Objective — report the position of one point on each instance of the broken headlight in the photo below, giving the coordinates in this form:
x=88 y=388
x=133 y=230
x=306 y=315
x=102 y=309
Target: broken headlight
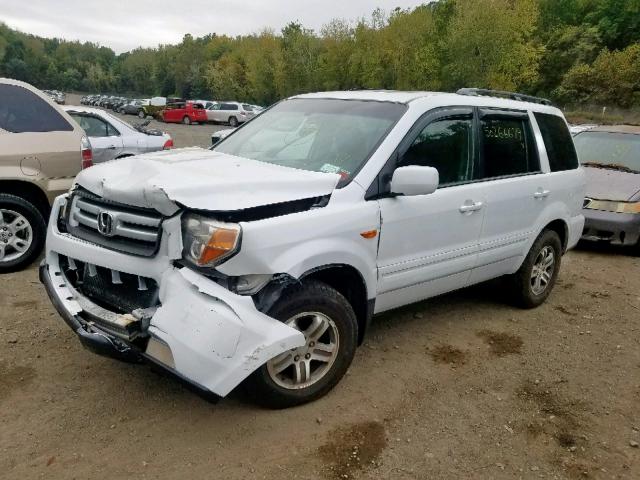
x=208 y=242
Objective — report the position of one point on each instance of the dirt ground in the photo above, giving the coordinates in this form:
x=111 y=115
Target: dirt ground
x=463 y=386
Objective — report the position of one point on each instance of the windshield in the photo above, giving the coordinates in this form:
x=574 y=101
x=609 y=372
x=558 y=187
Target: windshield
x=321 y=135
x=609 y=149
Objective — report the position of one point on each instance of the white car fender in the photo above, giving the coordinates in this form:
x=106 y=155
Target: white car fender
x=317 y=238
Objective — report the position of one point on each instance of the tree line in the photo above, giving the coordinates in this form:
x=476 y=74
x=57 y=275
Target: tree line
x=573 y=51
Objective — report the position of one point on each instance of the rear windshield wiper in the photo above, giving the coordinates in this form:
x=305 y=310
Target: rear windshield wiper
x=610 y=166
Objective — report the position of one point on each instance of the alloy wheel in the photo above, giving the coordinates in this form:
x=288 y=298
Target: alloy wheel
x=542 y=270
x=306 y=365
x=16 y=235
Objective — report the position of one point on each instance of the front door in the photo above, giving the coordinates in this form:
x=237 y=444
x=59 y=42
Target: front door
x=429 y=243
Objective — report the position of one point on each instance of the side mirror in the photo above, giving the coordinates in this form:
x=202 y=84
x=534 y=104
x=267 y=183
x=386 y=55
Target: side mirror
x=414 y=180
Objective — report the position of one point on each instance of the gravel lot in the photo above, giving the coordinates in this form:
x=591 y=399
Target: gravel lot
x=461 y=386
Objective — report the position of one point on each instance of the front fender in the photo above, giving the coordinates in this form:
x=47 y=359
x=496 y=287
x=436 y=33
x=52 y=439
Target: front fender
x=296 y=243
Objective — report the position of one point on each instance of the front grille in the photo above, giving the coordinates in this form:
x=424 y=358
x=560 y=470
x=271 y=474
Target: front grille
x=116 y=292
x=113 y=225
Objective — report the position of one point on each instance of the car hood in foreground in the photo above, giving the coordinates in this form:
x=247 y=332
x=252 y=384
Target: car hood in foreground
x=201 y=179
x=605 y=184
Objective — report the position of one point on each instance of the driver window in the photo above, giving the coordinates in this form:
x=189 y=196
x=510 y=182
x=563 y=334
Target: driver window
x=447 y=146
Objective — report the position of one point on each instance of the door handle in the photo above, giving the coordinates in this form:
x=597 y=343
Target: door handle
x=111 y=147
x=541 y=193
x=471 y=207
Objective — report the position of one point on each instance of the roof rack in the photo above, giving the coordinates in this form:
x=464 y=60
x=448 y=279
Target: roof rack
x=521 y=97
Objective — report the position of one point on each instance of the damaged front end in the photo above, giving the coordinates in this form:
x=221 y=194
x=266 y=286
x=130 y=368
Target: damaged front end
x=127 y=295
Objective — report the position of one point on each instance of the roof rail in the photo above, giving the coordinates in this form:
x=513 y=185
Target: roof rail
x=521 y=97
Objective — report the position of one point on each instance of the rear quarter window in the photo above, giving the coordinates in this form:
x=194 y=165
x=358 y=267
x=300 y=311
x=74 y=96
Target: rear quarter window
x=23 y=111
x=557 y=141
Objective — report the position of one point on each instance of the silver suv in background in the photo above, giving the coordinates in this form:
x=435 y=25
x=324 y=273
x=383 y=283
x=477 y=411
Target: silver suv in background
x=41 y=150
x=232 y=113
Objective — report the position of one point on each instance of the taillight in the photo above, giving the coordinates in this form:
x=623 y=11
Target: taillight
x=168 y=144
x=87 y=153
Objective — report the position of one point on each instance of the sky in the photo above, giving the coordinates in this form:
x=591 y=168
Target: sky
x=126 y=24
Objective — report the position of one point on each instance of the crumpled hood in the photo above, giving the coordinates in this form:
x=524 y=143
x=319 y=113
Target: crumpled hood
x=604 y=184
x=201 y=179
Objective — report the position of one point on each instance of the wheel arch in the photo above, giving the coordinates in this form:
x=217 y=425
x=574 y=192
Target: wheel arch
x=28 y=191
x=349 y=282
x=562 y=229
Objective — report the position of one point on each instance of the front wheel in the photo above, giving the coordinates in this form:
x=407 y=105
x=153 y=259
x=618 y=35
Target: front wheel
x=306 y=373
x=22 y=233
x=141 y=114
x=536 y=277
x=186 y=120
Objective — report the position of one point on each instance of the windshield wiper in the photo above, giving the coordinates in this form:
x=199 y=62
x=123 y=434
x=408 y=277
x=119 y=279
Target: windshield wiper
x=610 y=166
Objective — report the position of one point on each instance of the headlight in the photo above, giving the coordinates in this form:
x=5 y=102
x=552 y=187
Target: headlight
x=208 y=242
x=612 y=206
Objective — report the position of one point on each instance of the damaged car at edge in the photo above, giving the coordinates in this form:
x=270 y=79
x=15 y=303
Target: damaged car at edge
x=262 y=261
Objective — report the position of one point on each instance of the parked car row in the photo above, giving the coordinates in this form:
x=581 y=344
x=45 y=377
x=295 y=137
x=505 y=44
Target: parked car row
x=58 y=97
x=177 y=109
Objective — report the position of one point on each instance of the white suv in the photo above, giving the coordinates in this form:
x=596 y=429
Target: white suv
x=263 y=260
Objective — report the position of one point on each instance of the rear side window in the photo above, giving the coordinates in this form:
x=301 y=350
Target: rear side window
x=229 y=106
x=23 y=111
x=557 y=141
x=445 y=145
x=507 y=146
x=93 y=126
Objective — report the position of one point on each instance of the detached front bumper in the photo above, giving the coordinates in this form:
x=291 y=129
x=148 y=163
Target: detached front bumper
x=617 y=228
x=201 y=332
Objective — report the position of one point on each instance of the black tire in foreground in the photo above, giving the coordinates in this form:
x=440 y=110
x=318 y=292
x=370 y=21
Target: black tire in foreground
x=537 y=276
x=307 y=373
x=233 y=122
x=22 y=233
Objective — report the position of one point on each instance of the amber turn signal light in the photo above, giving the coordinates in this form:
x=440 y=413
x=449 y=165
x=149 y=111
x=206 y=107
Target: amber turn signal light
x=369 y=234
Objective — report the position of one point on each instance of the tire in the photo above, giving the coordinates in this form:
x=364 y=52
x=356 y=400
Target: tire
x=141 y=114
x=233 y=122
x=30 y=232
x=305 y=305
x=535 y=279
x=186 y=120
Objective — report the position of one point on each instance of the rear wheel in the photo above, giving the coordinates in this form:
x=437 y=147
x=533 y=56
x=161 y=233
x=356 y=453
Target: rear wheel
x=22 y=233
x=536 y=277
x=308 y=372
x=233 y=121
x=186 y=120
x=141 y=114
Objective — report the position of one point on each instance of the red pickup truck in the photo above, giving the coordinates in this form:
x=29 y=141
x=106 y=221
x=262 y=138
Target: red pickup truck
x=186 y=113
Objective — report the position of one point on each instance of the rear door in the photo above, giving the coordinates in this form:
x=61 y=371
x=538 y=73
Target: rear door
x=515 y=188
x=37 y=140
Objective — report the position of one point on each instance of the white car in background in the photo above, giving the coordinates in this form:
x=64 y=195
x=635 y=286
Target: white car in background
x=232 y=113
x=113 y=138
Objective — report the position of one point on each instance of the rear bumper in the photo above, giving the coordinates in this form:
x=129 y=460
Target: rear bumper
x=201 y=332
x=617 y=228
